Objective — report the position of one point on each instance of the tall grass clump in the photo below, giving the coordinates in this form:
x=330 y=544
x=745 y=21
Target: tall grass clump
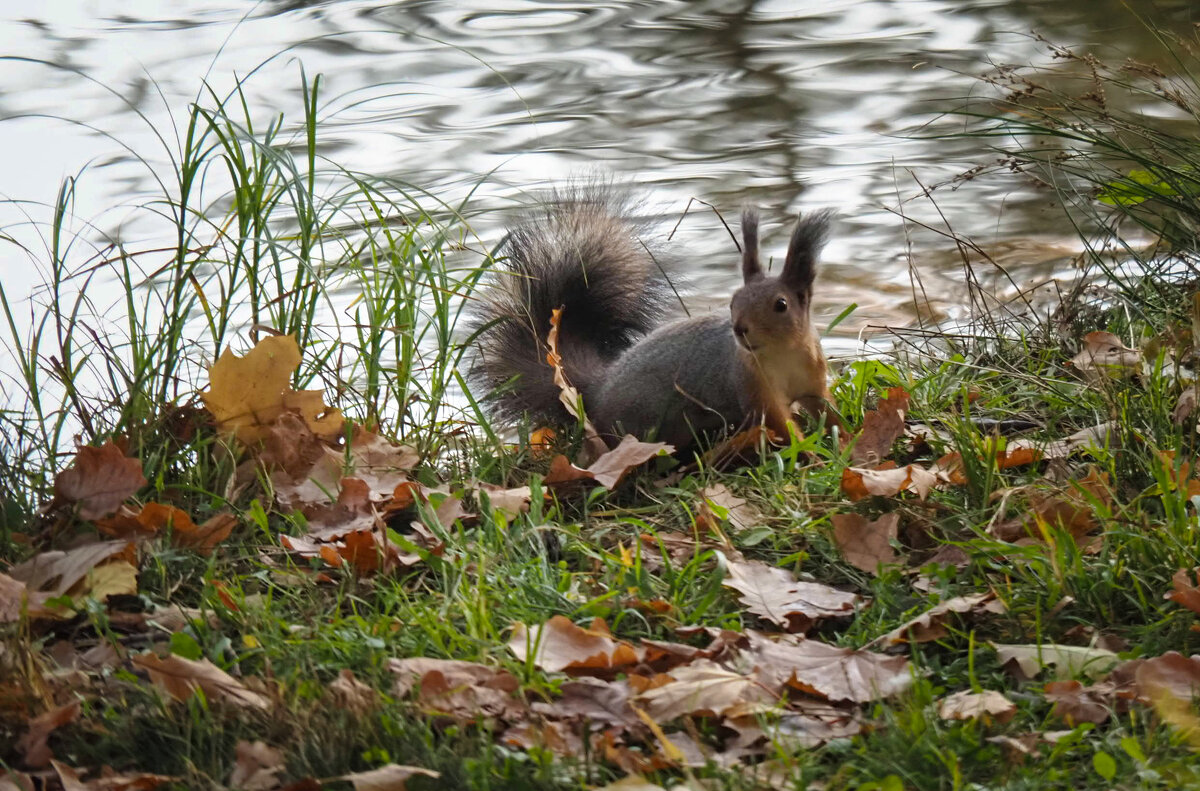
x=252 y=231
x=1117 y=141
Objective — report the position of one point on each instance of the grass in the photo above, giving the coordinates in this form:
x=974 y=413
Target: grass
x=268 y=234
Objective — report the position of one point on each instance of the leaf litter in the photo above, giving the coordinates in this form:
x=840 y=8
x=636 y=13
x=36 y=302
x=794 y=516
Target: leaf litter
x=633 y=699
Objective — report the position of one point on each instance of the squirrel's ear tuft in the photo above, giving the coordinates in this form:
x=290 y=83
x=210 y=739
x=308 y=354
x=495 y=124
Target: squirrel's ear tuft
x=751 y=269
x=800 y=267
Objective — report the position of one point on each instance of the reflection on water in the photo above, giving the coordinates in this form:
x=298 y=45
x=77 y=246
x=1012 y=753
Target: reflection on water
x=790 y=104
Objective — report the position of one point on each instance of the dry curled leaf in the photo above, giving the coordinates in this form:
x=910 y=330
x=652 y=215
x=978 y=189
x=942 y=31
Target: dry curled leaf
x=741 y=514
x=1104 y=357
x=34 y=744
x=866 y=545
x=880 y=429
x=464 y=690
x=1098 y=435
x=1171 y=674
x=1067 y=660
x=99 y=481
x=347 y=693
x=703 y=688
x=392 y=777
x=632 y=783
x=592 y=701
x=1185 y=594
x=611 y=467
x=108 y=780
x=931 y=624
x=510 y=502
x=1071 y=508
x=180 y=678
x=826 y=671
x=378 y=462
x=16 y=781
x=255 y=766
x=16 y=600
x=968 y=705
x=58 y=572
x=776 y=595
x=1074 y=703
x=888 y=481
x=568 y=396
x=559 y=644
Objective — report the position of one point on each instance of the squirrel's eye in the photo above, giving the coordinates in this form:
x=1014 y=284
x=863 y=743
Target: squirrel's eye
x=780 y=305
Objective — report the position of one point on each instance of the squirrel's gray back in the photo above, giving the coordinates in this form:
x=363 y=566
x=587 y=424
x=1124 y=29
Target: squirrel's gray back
x=677 y=384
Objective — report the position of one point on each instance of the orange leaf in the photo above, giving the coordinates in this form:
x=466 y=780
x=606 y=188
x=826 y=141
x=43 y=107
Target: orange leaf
x=559 y=644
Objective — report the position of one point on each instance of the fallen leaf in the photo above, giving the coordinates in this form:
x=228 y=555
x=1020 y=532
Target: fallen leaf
x=703 y=688
x=776 y=595
x=968 y=705
x=1074 y=703
x=1185 y=594
x=448 y=511
x=1071 y=508
x=411 y=672
x=568 y=396
x=16 y=600
x=1104 y=357
x=1186 y=404
x=816 y=724
x=510 y=502
x=379 y=463
x=931 y=624
x=204 y=537
x=34 y=744
x=99 y=481
x=866 y=545
x=247 y=394
x=154 y=518
x=880 y=429
x=740 y=514
x=631 y=783
x=289 y=448
x=15 y=781
x=1099 y=435
x=180 y=678
x=826 y=671
x=57 y=571
x=109 y=780
x=556 y=737
x=347 y=693
x=860 y=482
x=1018 y=748
x=592 y=701
x=1067 y=660
x=392 y=777
x=559 y=644
x=562 y=472
x=318 y=484
x=113 y=578
x=1171 y=683
x=255 y=766
x=611 y=467
x=1172 y=674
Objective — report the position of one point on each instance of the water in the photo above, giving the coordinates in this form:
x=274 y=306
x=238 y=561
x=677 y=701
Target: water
x=791 y=105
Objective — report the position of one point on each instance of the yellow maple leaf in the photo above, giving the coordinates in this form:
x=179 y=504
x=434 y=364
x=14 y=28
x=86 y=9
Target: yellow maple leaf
x=247 y=394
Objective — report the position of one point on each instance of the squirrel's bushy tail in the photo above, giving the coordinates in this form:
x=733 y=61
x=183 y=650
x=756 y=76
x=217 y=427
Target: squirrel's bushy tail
x=582 y=254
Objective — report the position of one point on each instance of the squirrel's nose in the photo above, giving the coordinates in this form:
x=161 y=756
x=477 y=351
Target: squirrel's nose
x=739 y=330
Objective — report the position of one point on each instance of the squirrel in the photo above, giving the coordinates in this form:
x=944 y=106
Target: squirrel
x=678 y=381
